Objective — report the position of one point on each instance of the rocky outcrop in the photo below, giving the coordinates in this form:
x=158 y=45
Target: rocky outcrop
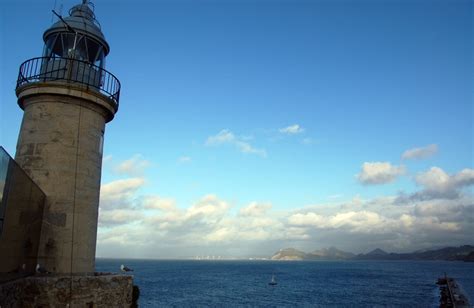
x=289 y=254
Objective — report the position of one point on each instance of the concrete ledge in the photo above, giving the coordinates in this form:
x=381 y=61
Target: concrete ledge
x=103 y=290
x=68 y=89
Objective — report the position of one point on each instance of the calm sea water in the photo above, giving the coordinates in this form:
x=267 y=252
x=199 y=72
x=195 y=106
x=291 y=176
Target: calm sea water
x=302 y=284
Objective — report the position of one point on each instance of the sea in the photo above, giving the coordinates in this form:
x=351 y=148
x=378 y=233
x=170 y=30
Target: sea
x=198 y=283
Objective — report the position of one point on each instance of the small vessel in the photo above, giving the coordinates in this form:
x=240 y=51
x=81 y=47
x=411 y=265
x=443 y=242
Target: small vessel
x=124 y=268
x=273 y=281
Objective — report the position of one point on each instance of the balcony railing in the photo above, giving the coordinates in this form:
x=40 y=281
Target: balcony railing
x=44 y=69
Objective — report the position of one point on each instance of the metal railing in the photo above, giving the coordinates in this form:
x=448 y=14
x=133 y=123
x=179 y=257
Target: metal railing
x=44 y=69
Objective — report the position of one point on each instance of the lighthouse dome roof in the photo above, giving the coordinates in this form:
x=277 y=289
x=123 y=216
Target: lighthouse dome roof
x=82 y=20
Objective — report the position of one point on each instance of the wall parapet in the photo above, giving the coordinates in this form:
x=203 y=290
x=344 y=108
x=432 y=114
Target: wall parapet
x=105 y=290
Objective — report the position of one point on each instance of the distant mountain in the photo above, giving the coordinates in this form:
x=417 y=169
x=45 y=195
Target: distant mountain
x=377 y=253
x=330 y=253
x=322 y=254
x=462 y=253
x=469 y=257
x=447 y=253
x=289 y=254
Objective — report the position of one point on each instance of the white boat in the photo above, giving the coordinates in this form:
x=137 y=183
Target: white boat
x=273 y=281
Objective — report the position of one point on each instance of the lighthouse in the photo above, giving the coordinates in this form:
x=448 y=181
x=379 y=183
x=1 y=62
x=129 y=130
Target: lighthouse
x=67 y=97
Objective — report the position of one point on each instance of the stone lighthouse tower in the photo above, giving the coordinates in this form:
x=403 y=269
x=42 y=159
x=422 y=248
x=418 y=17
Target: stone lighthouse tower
x=67 y=97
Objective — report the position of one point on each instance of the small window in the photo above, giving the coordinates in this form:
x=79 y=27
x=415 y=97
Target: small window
x=101 y=143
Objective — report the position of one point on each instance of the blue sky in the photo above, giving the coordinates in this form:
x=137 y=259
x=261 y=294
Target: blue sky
x=277 y=103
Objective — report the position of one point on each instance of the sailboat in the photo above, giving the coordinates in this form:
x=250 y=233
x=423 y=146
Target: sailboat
x=273 y=281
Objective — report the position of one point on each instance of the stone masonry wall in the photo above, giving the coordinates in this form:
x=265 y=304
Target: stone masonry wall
x=55 y=291
x=60 y=148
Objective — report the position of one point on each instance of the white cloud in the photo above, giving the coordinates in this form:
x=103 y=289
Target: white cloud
x=135 y=166
x=159 y=203
x=464 y=178
x=420 y=153
x=435 y=179
x=437 y=183
x=220 y=234
x=255 y=209
x=361 y=221
x=184 y=159
x=119 y=193
x=209 y=207
x=307 y=219
x=292 y=129
x=374 y=173
x=293 y=233
x=227 y=137
x=118 y=216
x=224 y=136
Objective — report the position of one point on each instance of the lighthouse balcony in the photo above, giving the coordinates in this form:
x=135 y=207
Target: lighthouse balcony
x=72 y=71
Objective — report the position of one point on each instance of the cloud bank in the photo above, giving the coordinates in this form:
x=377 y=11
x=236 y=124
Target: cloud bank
x=137 y=225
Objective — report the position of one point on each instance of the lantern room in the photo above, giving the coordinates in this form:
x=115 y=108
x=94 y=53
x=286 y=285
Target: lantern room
x=78 y=36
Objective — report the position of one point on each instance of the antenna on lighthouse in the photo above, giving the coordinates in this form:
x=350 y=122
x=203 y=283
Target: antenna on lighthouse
x=60 y=10
x=68 y=27
x=54 y=7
